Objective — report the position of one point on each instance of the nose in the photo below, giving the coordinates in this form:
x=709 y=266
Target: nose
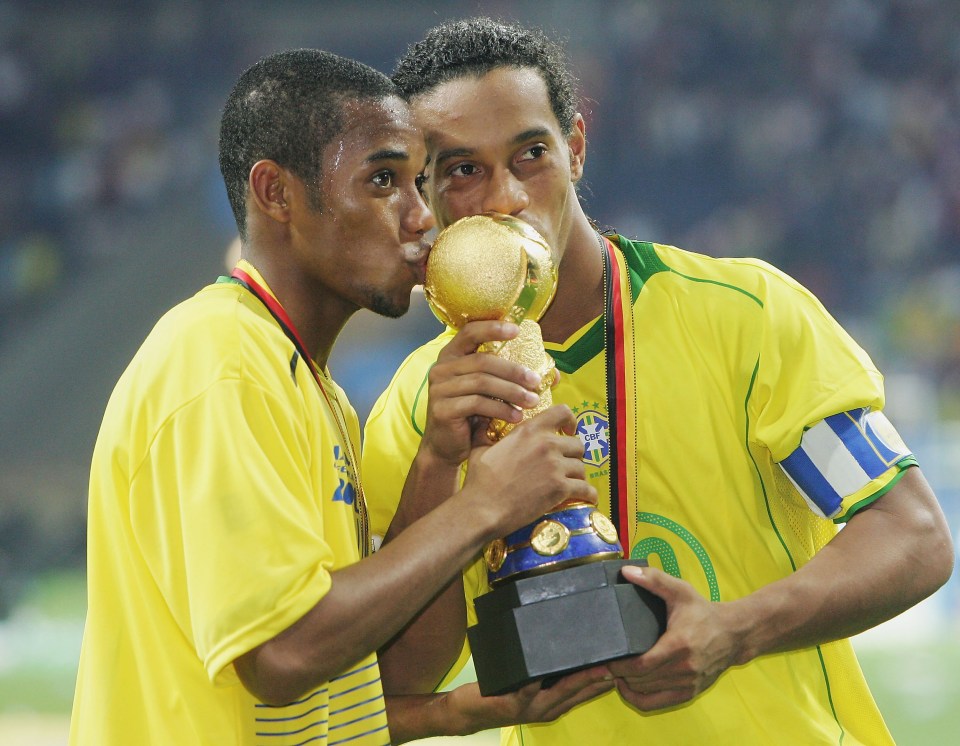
x=418 y=219
x=505 y=193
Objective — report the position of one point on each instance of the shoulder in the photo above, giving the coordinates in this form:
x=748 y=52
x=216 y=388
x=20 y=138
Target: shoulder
x=752 y=277
x=220 y=315
x=221 y=334
x=410 y=379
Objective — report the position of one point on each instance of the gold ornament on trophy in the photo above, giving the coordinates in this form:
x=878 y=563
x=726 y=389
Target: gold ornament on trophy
x=495 y=266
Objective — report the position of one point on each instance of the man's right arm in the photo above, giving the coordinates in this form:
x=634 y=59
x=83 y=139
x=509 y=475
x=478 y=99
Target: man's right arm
x=371 y=600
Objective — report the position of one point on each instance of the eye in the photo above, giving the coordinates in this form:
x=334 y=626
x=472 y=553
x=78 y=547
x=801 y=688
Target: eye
x=420 y=181
x=533 y=153
x=463 y=169
x=383 y=179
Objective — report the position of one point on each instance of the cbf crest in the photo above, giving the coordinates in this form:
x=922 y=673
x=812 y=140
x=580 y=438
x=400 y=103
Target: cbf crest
x=593 y=429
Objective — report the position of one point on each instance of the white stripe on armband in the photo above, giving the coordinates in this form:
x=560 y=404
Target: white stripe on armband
x=840 y=455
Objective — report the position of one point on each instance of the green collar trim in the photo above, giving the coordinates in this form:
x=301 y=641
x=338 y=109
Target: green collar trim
x=642 y=263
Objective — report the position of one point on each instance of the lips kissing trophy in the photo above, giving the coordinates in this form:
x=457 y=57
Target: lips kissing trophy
x=558 y=601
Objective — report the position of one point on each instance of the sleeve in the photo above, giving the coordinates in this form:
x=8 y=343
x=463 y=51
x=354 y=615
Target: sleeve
x=814 y=381
x=809 y=367
x=226 y=517
x=846 y=461
x=392 y=434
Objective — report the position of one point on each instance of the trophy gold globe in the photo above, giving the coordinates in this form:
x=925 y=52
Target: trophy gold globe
x=549 y=575
x=495 y=266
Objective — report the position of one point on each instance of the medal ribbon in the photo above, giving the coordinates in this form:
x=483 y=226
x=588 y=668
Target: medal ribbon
x=618 y=335
x=286 y=325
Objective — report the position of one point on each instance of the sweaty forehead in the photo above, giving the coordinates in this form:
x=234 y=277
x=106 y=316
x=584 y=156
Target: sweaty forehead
x=374 y=125
x=375 y=115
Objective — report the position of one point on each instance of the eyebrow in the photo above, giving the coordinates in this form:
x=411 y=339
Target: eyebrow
x=444 y=155
x=387 y=155
x=461 y=152
x=530 y=134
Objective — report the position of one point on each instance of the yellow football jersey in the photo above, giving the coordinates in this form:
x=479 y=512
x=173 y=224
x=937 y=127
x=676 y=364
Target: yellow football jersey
x=220 y=502
x=733 y=362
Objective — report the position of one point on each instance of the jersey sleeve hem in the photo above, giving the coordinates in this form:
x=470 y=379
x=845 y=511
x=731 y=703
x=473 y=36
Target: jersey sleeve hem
x=220 y=659
x=871 y=492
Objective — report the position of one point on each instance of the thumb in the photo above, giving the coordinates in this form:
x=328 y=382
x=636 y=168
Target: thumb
x=658 y=582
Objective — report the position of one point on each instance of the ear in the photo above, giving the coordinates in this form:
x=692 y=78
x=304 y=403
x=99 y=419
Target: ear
x=269 y=187
x=577 y=142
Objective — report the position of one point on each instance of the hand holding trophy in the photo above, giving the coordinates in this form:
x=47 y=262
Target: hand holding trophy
x=551 y=575
x=494 y=266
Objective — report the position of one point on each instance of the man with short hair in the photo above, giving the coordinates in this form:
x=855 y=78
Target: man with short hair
x=729 y=424
x=233 y=594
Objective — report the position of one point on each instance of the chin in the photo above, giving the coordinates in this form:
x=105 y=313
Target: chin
x=392 y=308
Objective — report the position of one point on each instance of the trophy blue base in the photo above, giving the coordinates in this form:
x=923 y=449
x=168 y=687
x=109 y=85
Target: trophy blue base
x=550 y=625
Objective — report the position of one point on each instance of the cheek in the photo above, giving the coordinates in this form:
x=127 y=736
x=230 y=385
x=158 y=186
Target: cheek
x=461 y=201
x=447 y=206
x=372 y=218
x=552 y=187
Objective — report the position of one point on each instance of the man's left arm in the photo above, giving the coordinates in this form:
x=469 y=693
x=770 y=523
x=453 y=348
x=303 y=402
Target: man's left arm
x=900 y=546
x=465 y=391
x=463 y=711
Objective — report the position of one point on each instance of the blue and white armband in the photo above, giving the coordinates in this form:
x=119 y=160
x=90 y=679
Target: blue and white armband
x=841 y=455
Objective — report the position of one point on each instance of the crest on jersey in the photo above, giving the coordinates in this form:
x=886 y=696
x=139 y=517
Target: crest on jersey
x=593 y=429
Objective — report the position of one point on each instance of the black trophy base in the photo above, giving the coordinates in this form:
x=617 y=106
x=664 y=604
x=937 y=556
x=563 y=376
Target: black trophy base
x=550 y=625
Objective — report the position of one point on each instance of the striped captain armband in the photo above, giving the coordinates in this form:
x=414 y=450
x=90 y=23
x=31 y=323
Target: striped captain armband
x=841 y=455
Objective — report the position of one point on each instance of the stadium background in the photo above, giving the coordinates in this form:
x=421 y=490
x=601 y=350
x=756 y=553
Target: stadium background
x=823 y=136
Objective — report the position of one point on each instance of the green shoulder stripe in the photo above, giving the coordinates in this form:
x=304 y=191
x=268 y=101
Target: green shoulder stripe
x=421 y=391
x=642 y=261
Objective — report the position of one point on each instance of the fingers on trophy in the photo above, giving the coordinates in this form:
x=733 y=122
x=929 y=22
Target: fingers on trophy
x=495 y=266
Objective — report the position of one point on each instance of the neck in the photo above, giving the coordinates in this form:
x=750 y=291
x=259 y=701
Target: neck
x=318 y=324
x=579 y=296
x=316 y=319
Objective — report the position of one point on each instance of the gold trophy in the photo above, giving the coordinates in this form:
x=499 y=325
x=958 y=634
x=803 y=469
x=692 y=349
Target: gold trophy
x=494 y=266
x=557 y=571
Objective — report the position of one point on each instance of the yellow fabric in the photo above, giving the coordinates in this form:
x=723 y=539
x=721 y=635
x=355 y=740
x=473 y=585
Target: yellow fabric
x=213 y=526
x=733 y=361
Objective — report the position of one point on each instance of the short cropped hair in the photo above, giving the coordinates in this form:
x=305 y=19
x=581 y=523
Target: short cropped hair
x=287 y=108
x=476 y=46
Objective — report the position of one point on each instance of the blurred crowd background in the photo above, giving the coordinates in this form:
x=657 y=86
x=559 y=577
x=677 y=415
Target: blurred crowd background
x=822 y=135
